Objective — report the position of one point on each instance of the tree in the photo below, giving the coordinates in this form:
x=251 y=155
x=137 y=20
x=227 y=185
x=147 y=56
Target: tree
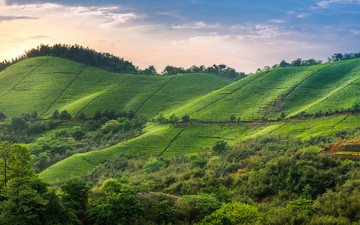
x=14 y=161
x=75 y=192
x=172 y=70
x=297 y=62
x=78 y=133
x=173 y=118
x=219 y=146
x=232 y=118
x=150 y=70
x=337 y=57
x=283 y=63
x=195 y=207
x=24 y=198
x=64 y=115
x=17 y=124
x=97 y=115
x=81 y=116
x=185 y=118
x=55 y=114
x=114 y=204
x=34 y=115
x=355 y=106
x=2 y=116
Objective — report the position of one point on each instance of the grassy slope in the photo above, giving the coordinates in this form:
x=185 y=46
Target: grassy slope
x=293 y=90
x=167 y=140
x=48 y=83
x=59 y=84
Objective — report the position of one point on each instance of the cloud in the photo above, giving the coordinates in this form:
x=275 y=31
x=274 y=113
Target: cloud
x=276 y=21
x=356 y=32
x=38 y=37
x=303 y=15
x=197 y=25
x=9 y=18
x=103 y=15
x=327 y=4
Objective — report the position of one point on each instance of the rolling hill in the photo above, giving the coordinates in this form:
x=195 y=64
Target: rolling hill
x=292 y=90
x=48 y=83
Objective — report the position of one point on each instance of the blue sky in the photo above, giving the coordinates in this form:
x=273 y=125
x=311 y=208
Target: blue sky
x=242 y=34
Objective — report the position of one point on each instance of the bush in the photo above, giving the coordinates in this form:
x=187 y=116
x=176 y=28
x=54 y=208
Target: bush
x=156 y=165
x=195 y=207
x=232 y=213
x=219 y=146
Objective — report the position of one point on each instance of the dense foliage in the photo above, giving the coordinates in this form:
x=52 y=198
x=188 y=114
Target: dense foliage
x=66 y=136
x=269 y=179
x=265 y=180
x=219 y=70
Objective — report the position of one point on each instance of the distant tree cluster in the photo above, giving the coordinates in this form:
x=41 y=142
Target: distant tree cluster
x=79 y=54
x=310 y=62
x=294 y=63
x=219 y=70
x=346 y=56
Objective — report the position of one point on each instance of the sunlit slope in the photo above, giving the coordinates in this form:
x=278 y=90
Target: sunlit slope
x=292 y=90
x=44 y=84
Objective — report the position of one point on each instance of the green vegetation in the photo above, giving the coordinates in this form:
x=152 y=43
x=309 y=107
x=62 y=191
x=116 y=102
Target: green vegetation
x=45 y=84
x=272 y=148
x=293 y=91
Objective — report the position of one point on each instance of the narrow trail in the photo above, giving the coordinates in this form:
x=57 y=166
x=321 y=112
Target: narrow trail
x=22 y=79
x=94 y=99
x=279 y=127
x=225 y=95
x=63 y=91
x=280 y=102
x=85 y=159
x=342 y=120
x=172 y=141
x=152 y=95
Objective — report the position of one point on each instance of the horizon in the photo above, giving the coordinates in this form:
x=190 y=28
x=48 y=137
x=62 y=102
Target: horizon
x=242 y=35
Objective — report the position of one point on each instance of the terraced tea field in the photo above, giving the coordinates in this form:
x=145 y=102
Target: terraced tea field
x=48 y=83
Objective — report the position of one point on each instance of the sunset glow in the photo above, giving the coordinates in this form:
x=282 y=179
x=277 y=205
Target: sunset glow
x=194 y=32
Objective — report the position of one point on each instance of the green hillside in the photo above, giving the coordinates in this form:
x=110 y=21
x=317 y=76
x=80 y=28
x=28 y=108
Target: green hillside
x=48 y=83
x=167 y=140
x=292 y=90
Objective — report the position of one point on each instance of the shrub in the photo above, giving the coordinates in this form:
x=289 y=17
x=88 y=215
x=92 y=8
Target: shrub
x=232 y=213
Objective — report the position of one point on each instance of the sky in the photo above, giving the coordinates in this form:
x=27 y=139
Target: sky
x=243 y=34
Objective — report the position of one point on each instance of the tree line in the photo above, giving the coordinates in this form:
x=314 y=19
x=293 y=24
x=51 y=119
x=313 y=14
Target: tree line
x=113 y=63
x=78 y=54
x=311 y=62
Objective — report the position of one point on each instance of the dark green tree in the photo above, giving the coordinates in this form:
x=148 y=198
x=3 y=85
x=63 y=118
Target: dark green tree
x=55 y=115
x=14 y=162
x=219 y=146
x=114 y=204
x=64 y=115
x=74 y=194
x=150 y=70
